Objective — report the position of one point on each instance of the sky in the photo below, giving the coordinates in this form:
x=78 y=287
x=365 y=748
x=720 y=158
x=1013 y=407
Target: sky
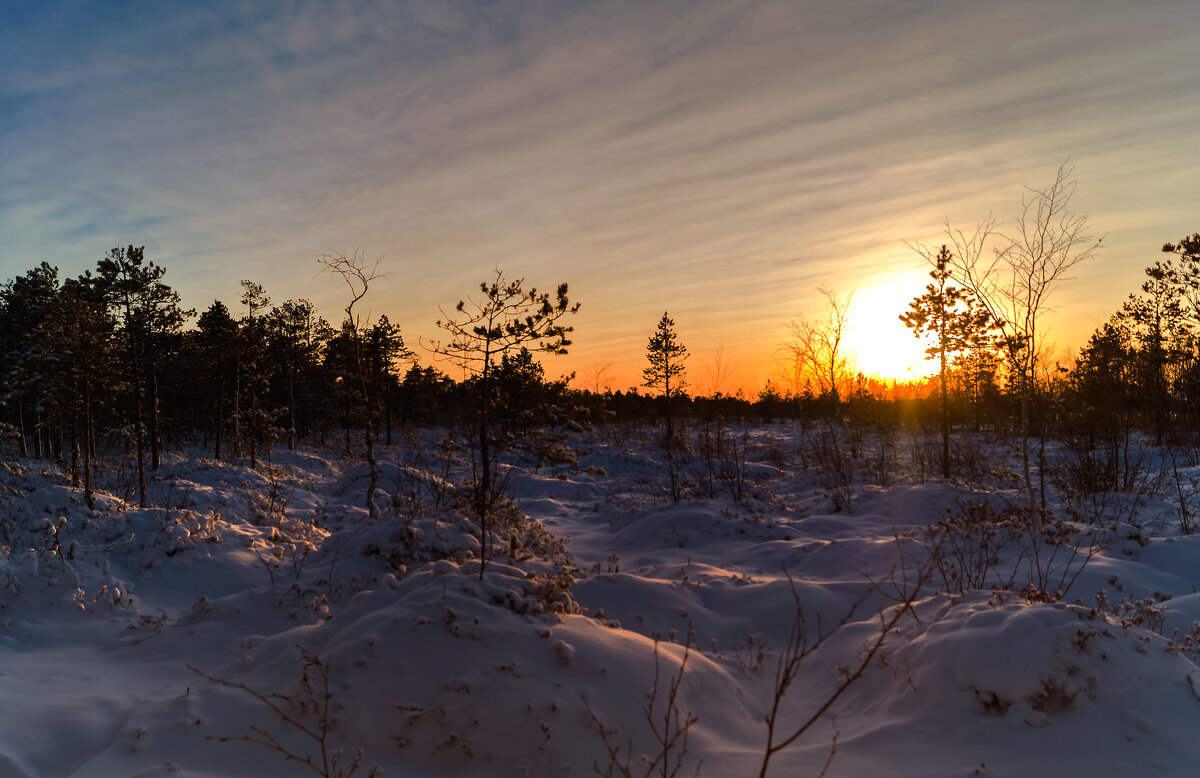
x=719 y=160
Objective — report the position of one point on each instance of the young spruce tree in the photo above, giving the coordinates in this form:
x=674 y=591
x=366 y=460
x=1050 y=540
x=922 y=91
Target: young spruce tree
x=665 y=373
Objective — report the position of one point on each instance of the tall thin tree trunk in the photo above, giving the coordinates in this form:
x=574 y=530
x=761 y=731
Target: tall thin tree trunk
x=945 y=406
x=387 y=404
x=74 y=449
x=667 y=392
x=371 y=468
x=252 y=432
x=483 y=495
x=291 y=407
x=237 y=412
x=220 y=405
x=21 y=424
x=155 y=441
x=139 y=431
x=364 y=388
x=1029 y=490
x=88 y=443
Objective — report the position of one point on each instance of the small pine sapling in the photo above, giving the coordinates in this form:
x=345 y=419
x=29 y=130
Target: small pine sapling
x=507 y=319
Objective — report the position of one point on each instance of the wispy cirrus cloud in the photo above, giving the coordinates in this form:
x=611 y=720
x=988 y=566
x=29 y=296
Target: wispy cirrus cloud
x=719 y=159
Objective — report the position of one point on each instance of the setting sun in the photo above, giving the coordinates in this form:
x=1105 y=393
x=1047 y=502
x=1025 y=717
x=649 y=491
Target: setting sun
x=880 y=343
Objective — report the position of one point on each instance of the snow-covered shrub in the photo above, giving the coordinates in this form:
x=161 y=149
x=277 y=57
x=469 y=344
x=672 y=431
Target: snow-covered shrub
x=267 y=502
x=532 y=594
x=1100 y=480
x=552 y=590
x=540 y=447
x=1187 y=642
x=982 y=545
x=723 y=455
x=406 y=545
x=550 y=567
x=447 y=536
x=1070 y=657
x=967 y=546
x=837 y=471
x=1146 y=613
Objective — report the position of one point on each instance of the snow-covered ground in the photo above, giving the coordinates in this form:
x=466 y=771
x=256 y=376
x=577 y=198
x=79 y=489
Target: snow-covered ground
x=278 y=580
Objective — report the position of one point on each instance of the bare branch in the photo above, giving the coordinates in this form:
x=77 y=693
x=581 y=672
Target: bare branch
x=813 y=350
x=799 y=647
x=355 y=270
x=1049 y=240
x=671 y=737
x=328 y=764
x=719 y=370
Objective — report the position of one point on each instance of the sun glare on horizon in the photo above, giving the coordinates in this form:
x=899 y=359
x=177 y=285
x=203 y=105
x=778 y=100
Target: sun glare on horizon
x=879 y=343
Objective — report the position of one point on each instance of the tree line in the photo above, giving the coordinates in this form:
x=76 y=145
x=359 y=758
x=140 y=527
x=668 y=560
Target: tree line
x=983 y=319
x=110 y=361
x=104 y=362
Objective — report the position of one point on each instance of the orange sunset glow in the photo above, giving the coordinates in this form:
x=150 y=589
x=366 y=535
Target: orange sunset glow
x=721 y=164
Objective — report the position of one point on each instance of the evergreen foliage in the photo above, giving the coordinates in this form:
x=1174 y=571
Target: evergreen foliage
x=507 y=318
x=956 y=321
x=99 y=370
x=666 y=371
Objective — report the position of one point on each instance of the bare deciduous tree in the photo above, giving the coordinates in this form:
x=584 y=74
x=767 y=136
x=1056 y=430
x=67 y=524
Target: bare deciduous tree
x=814 y=350
x=358 y=274
x=719 y=371
x=1015 y=284
x=597 y=378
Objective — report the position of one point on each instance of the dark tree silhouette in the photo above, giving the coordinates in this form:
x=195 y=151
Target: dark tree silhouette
x=217 y=341
x=505 y=319
x=358 y=275
x=23 y=305
x=1015 y=285
x=295 y=336
x=145 y=307
x=1158 y=319
x=385 y=346
x=956 y=321
x=70 y=358
x=666 y=370
x=254 y=423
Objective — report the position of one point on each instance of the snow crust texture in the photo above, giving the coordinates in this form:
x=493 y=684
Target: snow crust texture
x=161 y=641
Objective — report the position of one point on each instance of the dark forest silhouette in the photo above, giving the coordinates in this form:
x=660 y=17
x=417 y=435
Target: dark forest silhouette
x=104 y=363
